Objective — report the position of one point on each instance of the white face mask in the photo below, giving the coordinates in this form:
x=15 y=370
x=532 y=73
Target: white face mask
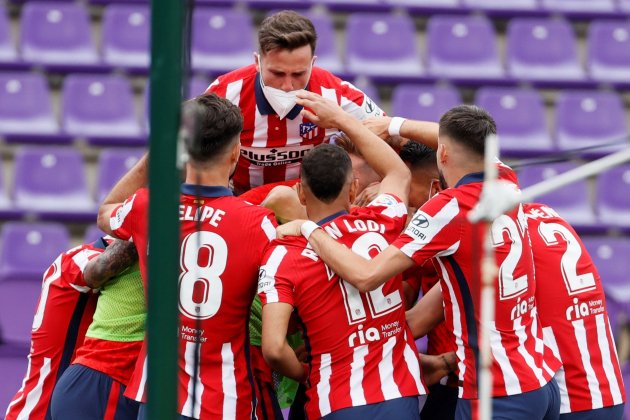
x=282 y=102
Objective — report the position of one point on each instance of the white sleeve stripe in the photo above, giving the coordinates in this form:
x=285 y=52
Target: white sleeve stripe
x=423 y=227
x=268 y=228
x=267 y=284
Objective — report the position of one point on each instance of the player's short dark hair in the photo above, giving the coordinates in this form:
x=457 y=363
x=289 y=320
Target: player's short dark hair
x=214 y=124
x=469 y=126
x=418 y=156
x=286 y=30
x=325 y=171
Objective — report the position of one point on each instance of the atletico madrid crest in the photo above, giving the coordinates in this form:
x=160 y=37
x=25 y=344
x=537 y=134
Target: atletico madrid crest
x=308 y=130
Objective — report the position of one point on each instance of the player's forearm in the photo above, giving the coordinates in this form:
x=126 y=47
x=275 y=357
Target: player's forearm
x=377 y=153
x=426 y=314
x=424 y=132
x=283 y=360
x=119 y=256
x=353 y=268
x=435 y=367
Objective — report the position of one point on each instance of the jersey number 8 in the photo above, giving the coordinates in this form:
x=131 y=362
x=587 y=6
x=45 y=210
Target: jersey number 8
x=203 y=258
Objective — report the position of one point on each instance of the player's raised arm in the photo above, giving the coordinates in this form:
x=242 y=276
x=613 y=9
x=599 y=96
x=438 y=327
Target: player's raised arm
x=378 y=154
x=128 y=184
x=425 y=132
x=116 y=258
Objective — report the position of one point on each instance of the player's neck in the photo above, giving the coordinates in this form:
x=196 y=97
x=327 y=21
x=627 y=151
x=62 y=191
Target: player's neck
x=318 y=211
x=215 y=177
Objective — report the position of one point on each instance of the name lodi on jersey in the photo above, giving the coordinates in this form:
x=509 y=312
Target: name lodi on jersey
x=360 y=348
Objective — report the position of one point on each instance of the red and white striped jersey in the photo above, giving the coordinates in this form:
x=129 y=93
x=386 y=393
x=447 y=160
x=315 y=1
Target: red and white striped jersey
x=64 y=312
x=441 y=230
x=360 y=348
x=572 y=310
x=272 y=148
x=223 y=240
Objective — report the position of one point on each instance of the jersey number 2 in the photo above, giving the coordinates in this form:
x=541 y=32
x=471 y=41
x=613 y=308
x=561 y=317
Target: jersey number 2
x=203 y=258
x=575 y=283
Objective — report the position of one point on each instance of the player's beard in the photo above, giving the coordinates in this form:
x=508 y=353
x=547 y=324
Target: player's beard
x=443 y=184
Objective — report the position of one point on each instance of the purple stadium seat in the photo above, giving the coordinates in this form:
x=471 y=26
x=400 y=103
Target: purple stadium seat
x=13 y=369
x=614 y=206
x=462 y=47
x=610 y=255
x=126 y=30
x=222 y=39
x=589 y=118
x=92 y=234
x=56 y=33
x=8 y=54
x=571 y=202
x=421 y=344
x=501 y=5
x=520 y=117
x=51 y=182
x=413 y=5
x=542 y=50
x=354 y=5
x=100 y=108
x=382 y=45
x=624 y=6
x=29 y=248
x=423 y=102
x=18 y=302
x=270 y=4
x=609 y=50
x=112 y=165
x=579 y=6
x=326 y=51
x=25 y=106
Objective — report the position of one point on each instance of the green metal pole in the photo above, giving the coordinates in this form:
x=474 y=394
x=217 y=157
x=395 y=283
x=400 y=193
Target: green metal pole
x=167 y=24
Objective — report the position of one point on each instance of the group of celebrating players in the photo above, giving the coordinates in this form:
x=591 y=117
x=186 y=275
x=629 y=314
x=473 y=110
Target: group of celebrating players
x=310 y=222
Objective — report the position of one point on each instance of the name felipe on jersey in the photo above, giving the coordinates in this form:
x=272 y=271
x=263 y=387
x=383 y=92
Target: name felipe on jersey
x=276 y=156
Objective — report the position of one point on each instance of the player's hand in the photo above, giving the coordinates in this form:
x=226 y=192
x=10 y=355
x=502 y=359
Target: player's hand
x=367 y=195
x=321 y=111
x=378 y=126
x=291 y=228
x=435 y=368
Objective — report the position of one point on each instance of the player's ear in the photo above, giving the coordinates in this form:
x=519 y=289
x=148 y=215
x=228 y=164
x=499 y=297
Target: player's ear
x=354 y=188
x=300 y=192
x=257 y=61
x=236 y=151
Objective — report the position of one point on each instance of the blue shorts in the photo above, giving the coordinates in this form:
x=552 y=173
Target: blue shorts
x=614 y=412
x=441 y=403
x=540 y=404
x=405 y=408
x=87 y=394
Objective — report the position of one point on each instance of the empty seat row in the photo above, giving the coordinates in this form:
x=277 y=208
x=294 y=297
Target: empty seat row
x=59 y=35
x=583 y=119
x=51 y=183
x=573 y=201
x=569 y=7
x=466 y=48
x=99 y=108
x=377 y=44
